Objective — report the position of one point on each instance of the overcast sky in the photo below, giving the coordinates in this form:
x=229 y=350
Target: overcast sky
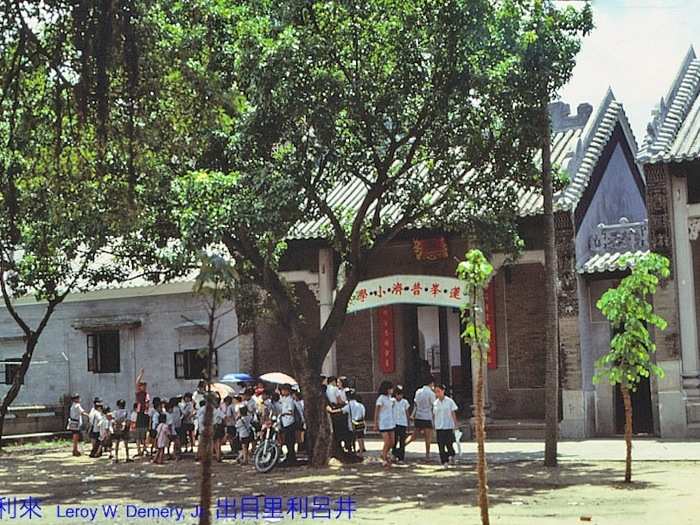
x=636 y=48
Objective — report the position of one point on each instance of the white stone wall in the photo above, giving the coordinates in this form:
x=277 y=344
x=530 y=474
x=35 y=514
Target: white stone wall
x=59 y=366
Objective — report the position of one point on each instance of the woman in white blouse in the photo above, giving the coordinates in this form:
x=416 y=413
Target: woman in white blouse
x=384 y=418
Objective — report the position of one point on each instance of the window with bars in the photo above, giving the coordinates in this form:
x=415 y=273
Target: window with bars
x=192 y=364
x=10 y=367
x=103 y=352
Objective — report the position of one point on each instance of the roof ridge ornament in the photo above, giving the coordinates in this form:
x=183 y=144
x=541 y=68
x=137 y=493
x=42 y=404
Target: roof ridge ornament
x=562 y=119
x=663 y=128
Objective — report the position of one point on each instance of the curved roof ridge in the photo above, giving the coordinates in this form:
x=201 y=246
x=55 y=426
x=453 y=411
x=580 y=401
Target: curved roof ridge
x=671 y=112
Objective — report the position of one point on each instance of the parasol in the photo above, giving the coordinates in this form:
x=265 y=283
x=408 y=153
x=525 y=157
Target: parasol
x=279 y=378
x=222 y=389
x=238 y=377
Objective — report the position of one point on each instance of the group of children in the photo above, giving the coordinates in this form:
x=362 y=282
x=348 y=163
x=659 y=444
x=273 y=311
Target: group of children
x=168 y=428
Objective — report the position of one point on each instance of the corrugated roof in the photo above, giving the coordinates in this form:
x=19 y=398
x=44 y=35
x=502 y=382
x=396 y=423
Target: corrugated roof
x=609 y=262
x=576 y=149
x=673 y=135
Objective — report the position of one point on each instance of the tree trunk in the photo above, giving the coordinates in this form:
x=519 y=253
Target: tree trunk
x=204 y=448
x=628 y=431
x=480 y=439
x=307 y=372
x=12 y=393
x=550 y=289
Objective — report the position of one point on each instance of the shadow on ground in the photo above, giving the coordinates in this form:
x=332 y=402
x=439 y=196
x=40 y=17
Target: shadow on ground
x=54 y=476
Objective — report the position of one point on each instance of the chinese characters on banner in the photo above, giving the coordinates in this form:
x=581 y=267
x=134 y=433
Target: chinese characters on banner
x=403 y=289
x=387 y=353
x=490 y=314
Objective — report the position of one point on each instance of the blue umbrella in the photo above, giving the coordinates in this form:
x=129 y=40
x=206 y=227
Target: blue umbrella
x=239 y=377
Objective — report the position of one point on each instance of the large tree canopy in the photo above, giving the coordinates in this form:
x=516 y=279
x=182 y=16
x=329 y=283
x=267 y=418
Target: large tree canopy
x=266 y=109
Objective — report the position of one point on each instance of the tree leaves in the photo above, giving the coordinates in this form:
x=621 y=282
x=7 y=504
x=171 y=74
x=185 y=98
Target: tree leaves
x=630 y=313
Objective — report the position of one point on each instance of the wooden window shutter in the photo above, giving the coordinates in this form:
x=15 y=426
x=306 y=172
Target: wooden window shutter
x=91 y=364
x=179 y=365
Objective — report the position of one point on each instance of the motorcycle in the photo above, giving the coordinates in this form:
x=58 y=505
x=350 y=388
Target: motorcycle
x=269 y=452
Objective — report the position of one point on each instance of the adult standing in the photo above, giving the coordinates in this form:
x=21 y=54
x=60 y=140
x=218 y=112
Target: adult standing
x=423 y=414
x=445 y=415
x=142 y=402
x=384 y=419
x=288 y=422
x=75 y=416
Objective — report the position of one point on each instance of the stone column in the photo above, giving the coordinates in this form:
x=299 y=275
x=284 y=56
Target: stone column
x=326 y=287
x=660 y=209
x=573 y=424
x=682 y=230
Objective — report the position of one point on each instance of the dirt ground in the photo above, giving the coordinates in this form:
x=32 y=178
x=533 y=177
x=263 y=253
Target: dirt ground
x=521 y=491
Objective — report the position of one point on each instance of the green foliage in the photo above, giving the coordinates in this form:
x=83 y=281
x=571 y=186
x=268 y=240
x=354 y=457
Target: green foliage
x=475 y=271
x=216 y=276
x=630 y=313
x=59 y=205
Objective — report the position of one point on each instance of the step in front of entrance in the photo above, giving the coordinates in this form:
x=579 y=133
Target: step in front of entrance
x=515 y=428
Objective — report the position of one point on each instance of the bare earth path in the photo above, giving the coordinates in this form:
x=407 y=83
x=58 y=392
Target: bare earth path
x=586 y=486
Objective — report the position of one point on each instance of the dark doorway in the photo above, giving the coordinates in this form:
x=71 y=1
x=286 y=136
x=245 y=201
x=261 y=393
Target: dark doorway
x=463 y=380
x=642 y=418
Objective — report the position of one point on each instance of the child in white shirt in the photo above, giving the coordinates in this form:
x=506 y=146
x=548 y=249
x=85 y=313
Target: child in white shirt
x=219 y=431
x=121 y=425
x=162 y=439
x=244 y=428
x=401 y=409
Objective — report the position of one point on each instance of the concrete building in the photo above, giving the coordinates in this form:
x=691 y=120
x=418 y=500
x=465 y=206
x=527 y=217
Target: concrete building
x=96 y=343
x=404 y=318
x=670 y=155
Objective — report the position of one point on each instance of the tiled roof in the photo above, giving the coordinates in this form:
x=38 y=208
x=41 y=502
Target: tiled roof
x=609 y=262
x=577 y=152
x=673 y=135
x=577 y=144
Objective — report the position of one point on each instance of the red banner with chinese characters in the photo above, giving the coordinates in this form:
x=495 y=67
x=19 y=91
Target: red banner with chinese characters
x=430 y=249
x=490 y=314
x=387 y=352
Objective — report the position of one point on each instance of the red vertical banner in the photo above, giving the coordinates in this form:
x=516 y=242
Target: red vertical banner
x=490 y=314
x=387 y=352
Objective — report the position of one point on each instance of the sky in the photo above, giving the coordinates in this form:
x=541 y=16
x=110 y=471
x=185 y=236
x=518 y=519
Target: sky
x=636 y=48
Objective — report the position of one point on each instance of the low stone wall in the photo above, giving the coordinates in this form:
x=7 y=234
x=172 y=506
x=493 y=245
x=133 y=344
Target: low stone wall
x=34 y=419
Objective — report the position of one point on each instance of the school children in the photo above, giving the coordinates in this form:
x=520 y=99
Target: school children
x=138 y=428
x=219 y=430
x=75 y=416
x=230 y=422
x=445 y=416
x=384 y=418
x=356 y=421
x=121 y=422
x=156 y=411
x=96 y=418
x=106 y=429
x=188 y=413
x=401 y=409
x=244 y=428
x=93 y=421
x=176 y=428
x=360 y=427
x=162 y=438
x=201 y=411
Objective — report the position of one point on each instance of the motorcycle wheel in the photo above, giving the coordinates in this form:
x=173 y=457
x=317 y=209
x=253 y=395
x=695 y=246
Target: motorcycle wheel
x=266 y=456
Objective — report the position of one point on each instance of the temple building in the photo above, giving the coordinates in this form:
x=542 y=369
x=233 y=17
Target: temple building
x=670 y=155
x=405 y=320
